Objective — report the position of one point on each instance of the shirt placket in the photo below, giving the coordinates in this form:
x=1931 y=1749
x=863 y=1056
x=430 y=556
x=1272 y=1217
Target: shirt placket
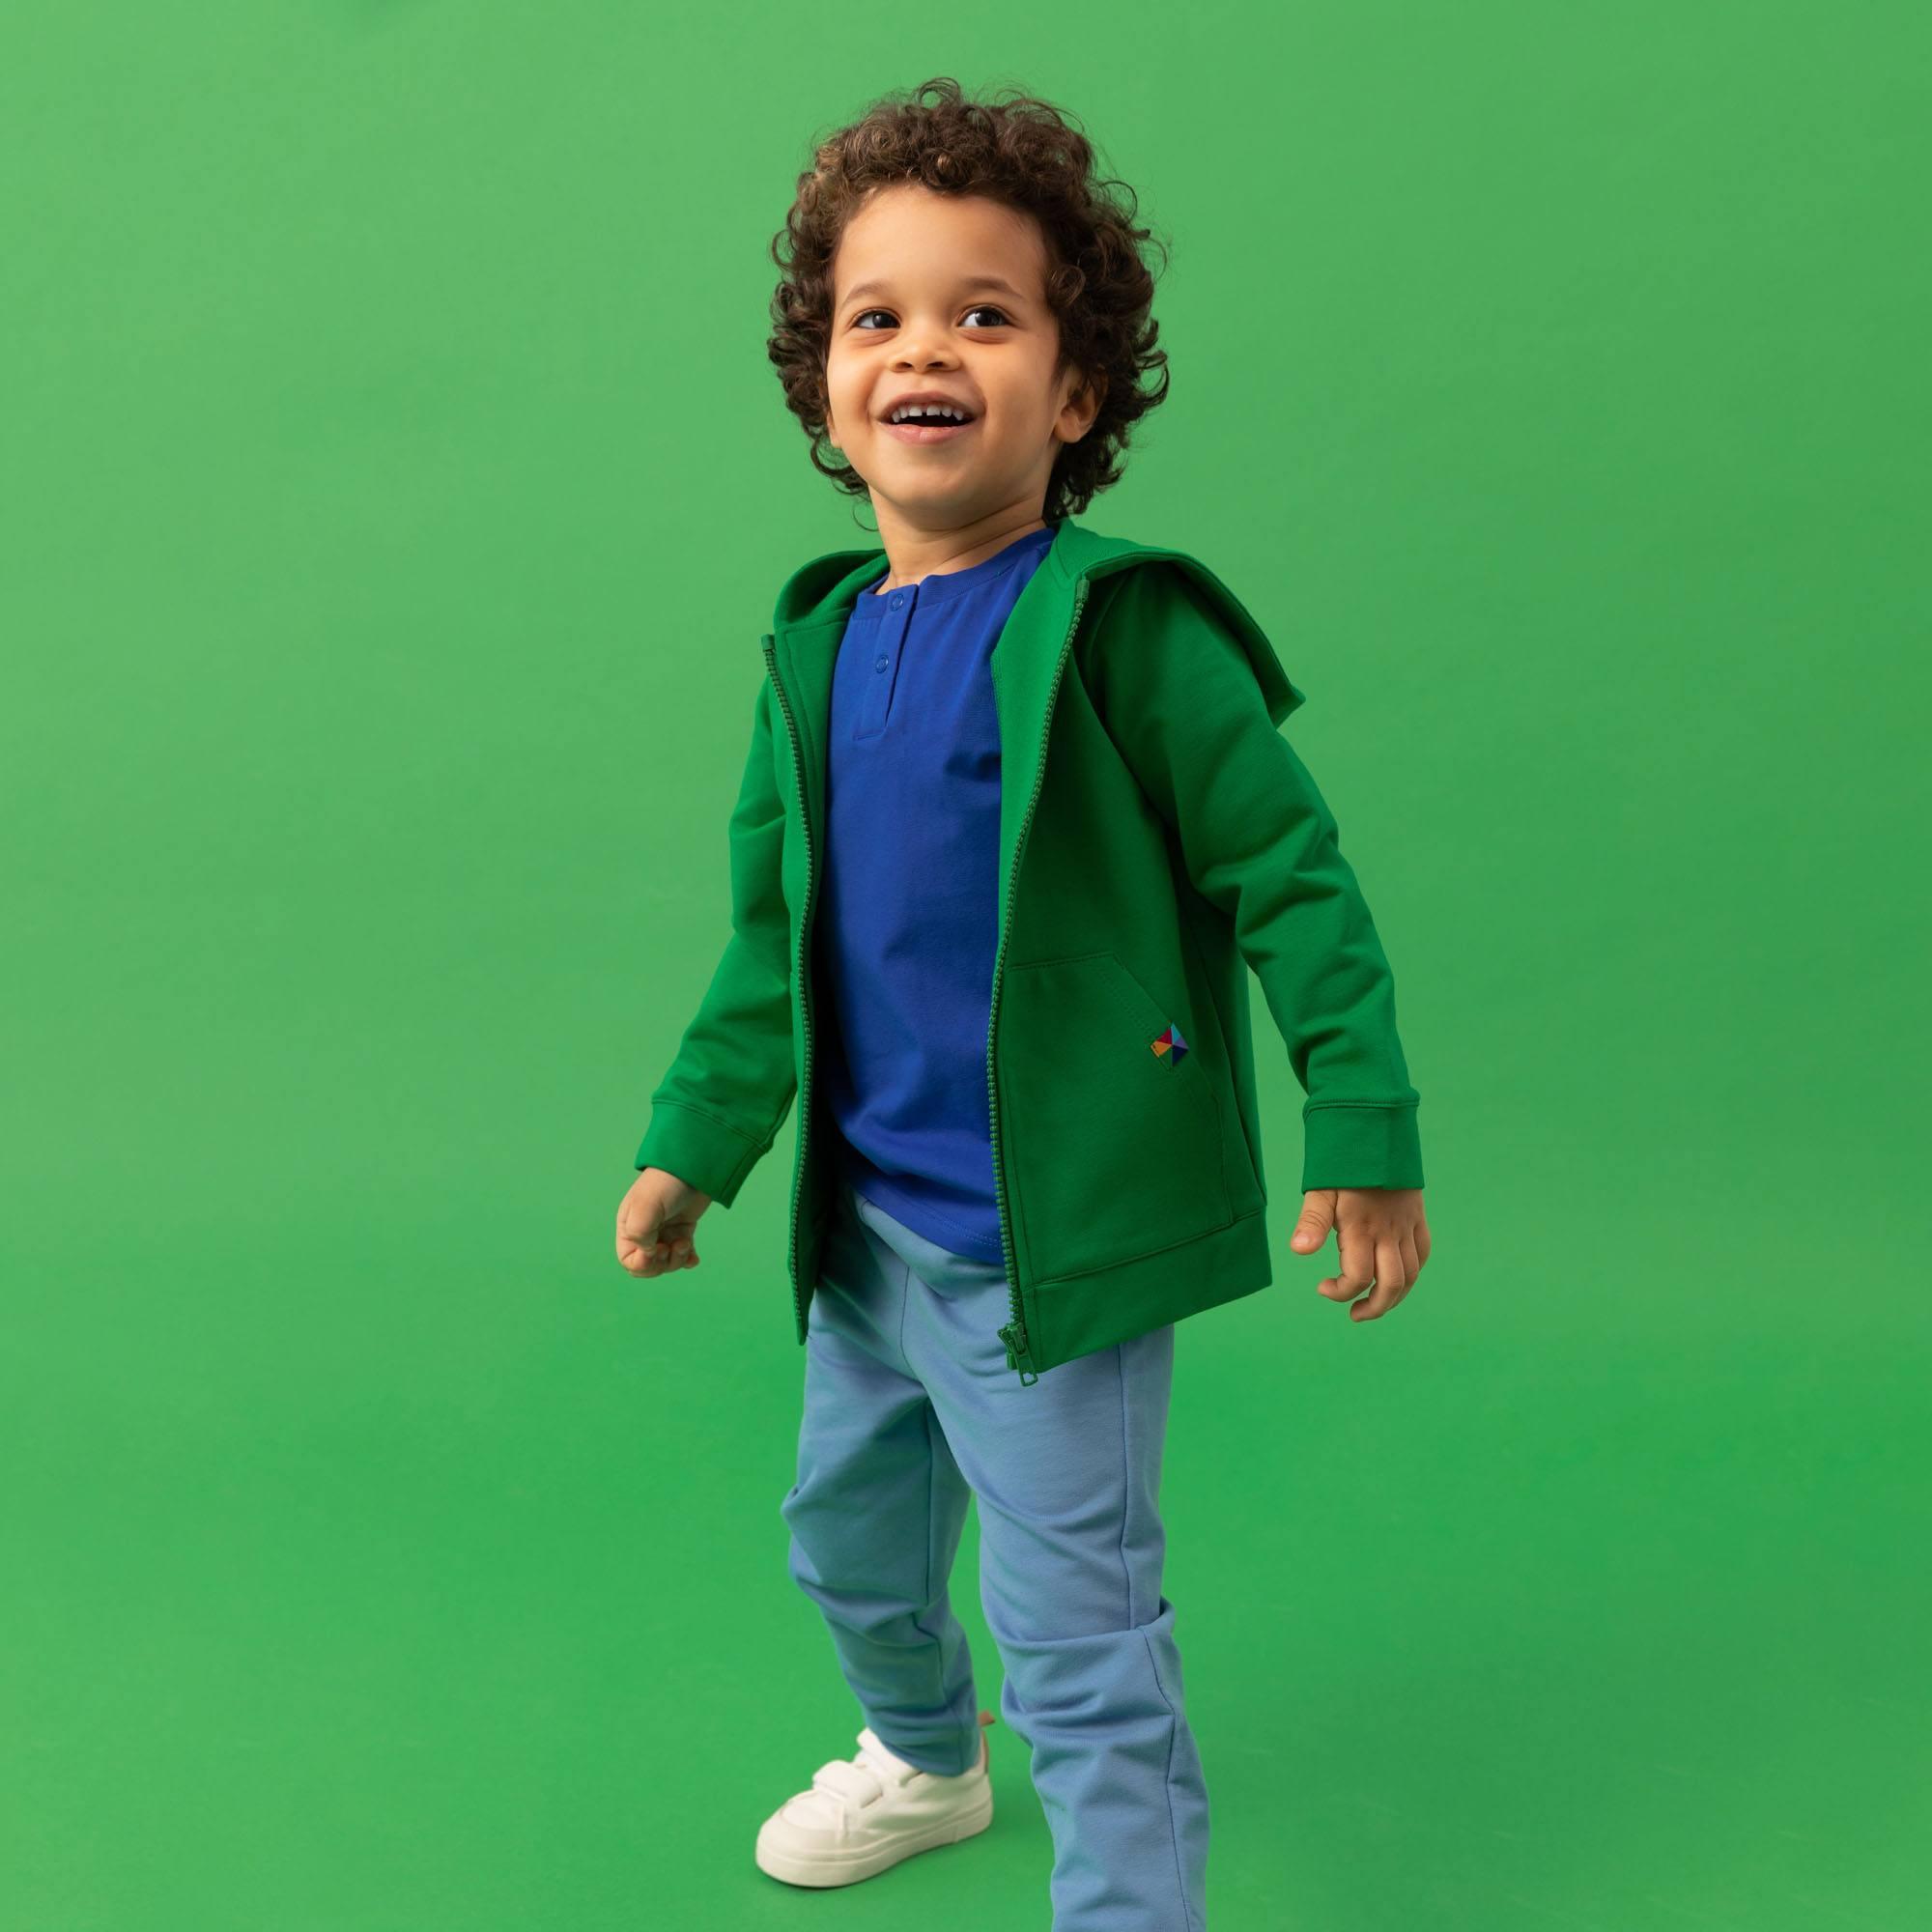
x=882 y=676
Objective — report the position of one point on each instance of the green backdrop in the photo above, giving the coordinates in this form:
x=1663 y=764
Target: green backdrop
x=395 y=490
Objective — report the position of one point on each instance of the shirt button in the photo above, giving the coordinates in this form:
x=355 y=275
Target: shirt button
x=879 y=664
x=897 y=601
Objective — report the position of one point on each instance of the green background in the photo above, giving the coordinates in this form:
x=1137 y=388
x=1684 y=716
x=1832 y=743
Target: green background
x=393 y=491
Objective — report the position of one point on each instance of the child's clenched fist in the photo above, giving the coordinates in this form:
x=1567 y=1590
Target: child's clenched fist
x=656 y=1222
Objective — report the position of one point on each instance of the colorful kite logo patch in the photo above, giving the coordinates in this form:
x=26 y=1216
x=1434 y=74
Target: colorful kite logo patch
x=1170 y=1045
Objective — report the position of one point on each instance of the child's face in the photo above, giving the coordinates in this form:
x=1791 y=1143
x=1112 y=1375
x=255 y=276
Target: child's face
x=907 y=317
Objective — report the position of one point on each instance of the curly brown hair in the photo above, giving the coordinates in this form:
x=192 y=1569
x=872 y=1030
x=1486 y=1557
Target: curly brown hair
x=1017 y=149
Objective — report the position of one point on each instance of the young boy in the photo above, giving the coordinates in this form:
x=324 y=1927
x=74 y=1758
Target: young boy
x=1017 y=822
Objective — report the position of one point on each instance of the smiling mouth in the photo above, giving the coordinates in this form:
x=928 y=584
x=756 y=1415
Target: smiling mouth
x=928 y=429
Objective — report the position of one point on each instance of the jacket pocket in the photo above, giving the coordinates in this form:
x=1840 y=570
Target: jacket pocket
x=1117 y=1148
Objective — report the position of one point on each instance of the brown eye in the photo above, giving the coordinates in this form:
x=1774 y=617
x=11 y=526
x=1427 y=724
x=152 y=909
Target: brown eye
x=1003 y=321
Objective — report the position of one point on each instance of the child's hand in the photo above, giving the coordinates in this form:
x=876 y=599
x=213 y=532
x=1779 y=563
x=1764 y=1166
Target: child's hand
x=1382 y=1237
x=656 y=1222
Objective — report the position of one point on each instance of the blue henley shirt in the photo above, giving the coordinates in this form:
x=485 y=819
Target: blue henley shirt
x=908 y=915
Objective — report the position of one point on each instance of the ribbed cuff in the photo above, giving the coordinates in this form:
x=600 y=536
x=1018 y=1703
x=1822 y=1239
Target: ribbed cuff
x=699 y=1148
x=1350 y=1146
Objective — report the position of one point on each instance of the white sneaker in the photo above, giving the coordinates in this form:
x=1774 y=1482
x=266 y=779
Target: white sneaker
x=866 y=1813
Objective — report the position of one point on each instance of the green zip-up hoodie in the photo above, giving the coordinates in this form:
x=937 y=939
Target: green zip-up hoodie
x=1158 y=838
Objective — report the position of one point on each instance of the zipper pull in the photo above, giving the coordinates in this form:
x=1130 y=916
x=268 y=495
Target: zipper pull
x=1018 y=1356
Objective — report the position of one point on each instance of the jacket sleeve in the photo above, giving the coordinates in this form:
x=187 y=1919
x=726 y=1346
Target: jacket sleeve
x=1182 y=701
x=717 y=1110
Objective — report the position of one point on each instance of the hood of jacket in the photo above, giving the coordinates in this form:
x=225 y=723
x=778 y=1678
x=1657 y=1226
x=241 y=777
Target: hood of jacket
x=825 y=589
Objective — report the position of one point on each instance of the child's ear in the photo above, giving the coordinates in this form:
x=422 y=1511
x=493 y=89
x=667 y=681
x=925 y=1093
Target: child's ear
x=1086 y=397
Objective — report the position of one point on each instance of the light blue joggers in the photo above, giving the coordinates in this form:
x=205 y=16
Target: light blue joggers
x=909 y=1409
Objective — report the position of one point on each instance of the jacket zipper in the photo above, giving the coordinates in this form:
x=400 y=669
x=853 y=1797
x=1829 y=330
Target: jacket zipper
x=805 y=1000
x=1019 y=1352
